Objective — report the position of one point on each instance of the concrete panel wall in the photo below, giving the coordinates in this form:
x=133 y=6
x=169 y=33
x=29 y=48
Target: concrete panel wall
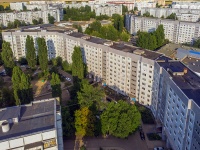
x=16 y=143
x=4 y=145
x=48 y=135
x=32 y=139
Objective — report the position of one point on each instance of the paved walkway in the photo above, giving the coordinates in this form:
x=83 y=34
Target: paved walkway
x=132 y=143
x=151 y=128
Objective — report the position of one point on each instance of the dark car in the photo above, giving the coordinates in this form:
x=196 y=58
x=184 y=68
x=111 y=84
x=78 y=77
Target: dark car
x=142 y=135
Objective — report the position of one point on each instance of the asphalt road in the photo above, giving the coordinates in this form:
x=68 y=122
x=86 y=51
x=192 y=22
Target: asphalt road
x=132 y=143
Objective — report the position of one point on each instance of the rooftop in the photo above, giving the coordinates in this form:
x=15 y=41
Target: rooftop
x=35 y=117
x=192 y=63
x=189 y=82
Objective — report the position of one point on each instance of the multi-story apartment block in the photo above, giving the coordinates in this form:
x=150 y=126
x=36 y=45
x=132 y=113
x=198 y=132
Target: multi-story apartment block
x=37 y=125
x=28 y=16
x=167 y=87
x=187 y=5
x=108 y=10
x=175 y=31
x=100 y=9
x=192 y=15
x=175 y=104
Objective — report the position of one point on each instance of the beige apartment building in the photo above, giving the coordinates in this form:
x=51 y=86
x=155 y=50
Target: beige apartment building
x=167 y=87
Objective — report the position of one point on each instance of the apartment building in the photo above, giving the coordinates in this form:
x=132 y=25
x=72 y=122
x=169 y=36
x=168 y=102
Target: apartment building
x=100 y=56
x=28 y=16
x=167 y=87
x=175 y=31
x=175 y=104
x=100 y=9
x=191 y=15
x=187 y=5
x=37 y=125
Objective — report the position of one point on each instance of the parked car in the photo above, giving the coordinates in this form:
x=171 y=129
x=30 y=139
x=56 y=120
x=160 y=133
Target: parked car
x=142 y=135
x=68 y=79
x=158 y=148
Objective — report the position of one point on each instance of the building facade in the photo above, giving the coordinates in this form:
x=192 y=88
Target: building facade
x=33 y=126
x=175 y=31
x=191 y=15
x=167 y=87
x=28 y=16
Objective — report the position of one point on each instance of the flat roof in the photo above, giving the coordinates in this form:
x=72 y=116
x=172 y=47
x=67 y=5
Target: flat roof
x=35 y=117
x=126 y=48
x=192 y=63
x=189 y=83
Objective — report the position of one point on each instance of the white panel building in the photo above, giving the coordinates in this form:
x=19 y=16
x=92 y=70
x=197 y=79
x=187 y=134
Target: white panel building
x=175 y=31
x=33 y=126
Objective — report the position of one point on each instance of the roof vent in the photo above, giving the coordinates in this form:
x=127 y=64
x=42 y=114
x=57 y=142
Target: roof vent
x=108 y=43
x=5 y=126
x=85 y=37
x=138 y=52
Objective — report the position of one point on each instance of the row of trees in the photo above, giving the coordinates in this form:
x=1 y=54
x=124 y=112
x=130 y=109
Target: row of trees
x=151 y=40
x=78 y=14
x=16 y=24
x=4 y=9
x=36 y=22
x=107 y=32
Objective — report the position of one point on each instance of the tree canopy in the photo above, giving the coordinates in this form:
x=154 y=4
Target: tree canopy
x=84 y=122
x=42 y=54
x=77 y=63
x=30 y=52
x=7 y=57
x=89 y=95
x=172 y=16
x=22 y=87
x=51 y=19
x=78 y=14
x=56 y=86
x=120 y=119
x=151 y=40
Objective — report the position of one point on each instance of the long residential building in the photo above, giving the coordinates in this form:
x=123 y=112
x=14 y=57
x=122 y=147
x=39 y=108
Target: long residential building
x=192 y=15
x=167 y=87
x=37 y=125
x=29 y=16
x=175 y=31
x=192 y=4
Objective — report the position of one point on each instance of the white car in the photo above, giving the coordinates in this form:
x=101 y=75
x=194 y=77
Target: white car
x=158 y=148
x=68 y=79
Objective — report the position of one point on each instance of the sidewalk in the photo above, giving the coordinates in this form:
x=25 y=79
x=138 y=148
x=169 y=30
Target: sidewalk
x=151 y=128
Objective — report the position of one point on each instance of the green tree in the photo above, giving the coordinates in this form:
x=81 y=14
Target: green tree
x=135 y=9
x=7 y=57
x=124 y=9
x=172 y=16
x=124 y=36
x=89 y=95
x=17 y=23
x=84 y=122
x=160 y=35
x=56 y=86
x=147 y=14
x=118 y=22
x=66 y=66
x=30 y=52
x=51 y=19
x=152 y=43
x=77 y=63
x=26 y=92
x=120 y=119
x=40 y=21
x=16 y=80
x=35 y=22
x=6 y=97
x=43 y=55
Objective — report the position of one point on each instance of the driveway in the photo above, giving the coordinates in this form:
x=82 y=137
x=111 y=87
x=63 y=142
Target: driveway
x=132 y=143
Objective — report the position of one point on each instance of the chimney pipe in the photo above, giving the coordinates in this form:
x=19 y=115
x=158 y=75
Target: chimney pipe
x=185 y=70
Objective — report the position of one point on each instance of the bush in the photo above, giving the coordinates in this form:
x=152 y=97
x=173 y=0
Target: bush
x=153 y=136
x=83 y=148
